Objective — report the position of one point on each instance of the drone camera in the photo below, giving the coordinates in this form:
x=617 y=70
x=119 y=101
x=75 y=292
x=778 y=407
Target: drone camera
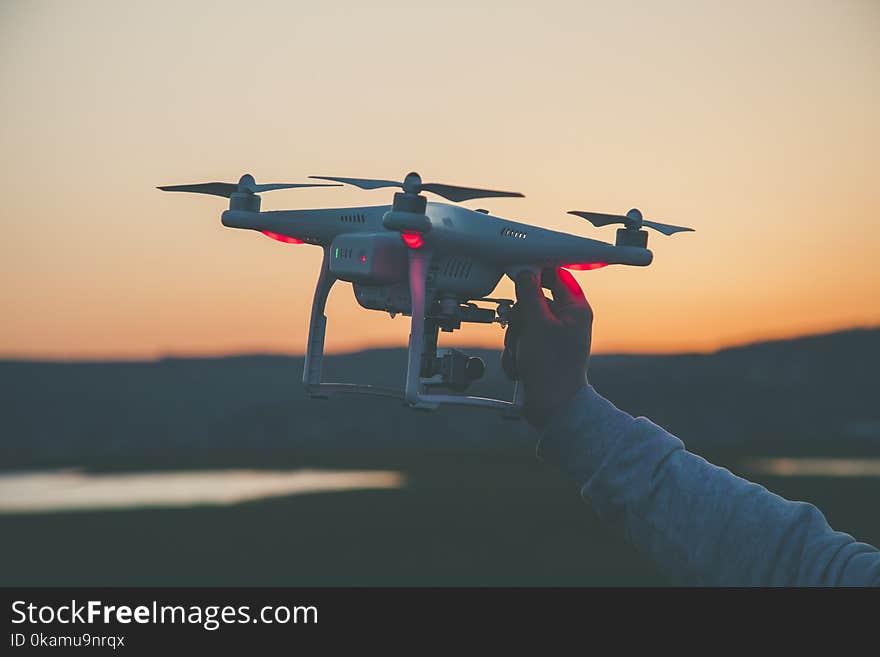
x=452 y=369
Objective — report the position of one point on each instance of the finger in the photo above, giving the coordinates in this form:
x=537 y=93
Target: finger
x=514 y=328
x=511 y=338
x=564 y=287
x=530 y=299
x=508 y=361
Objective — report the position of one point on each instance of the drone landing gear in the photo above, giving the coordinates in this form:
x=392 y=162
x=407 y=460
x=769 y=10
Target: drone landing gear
x=427 y=366
x=314 y=360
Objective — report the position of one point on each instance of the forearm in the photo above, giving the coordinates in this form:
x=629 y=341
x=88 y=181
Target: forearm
x=699 y=522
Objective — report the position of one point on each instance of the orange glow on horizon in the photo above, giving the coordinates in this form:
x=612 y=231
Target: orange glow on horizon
x=766 y=145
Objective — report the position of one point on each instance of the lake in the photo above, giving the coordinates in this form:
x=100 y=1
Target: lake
x=74 y=490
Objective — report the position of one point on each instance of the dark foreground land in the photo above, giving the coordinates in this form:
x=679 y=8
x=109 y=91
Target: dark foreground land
x=461 y=524
x=477 y=509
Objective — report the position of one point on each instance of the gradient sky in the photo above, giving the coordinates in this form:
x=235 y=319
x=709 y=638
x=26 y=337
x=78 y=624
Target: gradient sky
x=754 y=122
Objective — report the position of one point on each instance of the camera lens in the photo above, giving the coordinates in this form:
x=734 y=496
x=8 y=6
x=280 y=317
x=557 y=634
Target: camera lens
x=475 y=368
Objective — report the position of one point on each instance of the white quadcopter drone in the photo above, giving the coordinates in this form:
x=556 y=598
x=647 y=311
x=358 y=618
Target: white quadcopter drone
x=431 y=261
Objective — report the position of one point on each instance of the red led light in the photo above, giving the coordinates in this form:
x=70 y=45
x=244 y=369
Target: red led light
x=281 y=238
x=363 y=258
x=412 y=238
x=585 y=266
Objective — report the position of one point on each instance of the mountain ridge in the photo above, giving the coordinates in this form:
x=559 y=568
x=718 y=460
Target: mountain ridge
x=814 y=393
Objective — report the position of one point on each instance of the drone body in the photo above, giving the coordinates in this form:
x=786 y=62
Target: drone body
x=470 y=251
x=431 y=261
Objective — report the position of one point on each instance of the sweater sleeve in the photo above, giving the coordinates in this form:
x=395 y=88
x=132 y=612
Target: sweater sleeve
x=700 y=523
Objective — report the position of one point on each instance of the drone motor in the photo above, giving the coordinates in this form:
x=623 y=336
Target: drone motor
x=633 y=233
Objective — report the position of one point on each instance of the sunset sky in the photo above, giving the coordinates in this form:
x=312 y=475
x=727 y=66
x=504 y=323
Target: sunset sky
x=754 y=122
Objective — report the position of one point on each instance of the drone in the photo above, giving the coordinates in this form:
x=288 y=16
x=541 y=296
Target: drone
x=434 y=262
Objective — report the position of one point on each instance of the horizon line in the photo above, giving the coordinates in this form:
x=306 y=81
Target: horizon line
x=10 y=358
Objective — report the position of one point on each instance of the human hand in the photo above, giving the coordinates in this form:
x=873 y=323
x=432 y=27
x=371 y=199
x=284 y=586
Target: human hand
x=547 y=344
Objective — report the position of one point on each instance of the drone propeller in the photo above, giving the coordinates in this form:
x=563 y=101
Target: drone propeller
x=413 y=184
x=632 y=220
x=246 y=185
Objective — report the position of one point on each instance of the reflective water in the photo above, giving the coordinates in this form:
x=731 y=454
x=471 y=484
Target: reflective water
x=815 y=467
x=70 y=490
x=67 y=490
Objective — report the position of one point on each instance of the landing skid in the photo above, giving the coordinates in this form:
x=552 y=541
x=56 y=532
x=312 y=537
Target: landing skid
x=421 y=343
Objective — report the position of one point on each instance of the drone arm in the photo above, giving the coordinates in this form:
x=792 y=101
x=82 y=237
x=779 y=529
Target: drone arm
x=512 y=245
x=314 y=226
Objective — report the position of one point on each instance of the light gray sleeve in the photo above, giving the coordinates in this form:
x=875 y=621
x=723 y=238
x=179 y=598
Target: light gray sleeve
x=700 y=523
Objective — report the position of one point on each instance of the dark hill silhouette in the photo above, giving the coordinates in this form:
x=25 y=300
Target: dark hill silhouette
x=477 y=509
x=811 y=395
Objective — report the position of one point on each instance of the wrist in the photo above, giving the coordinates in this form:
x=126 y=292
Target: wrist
x=543 y=404
x=560 y=432
x=582 y=434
